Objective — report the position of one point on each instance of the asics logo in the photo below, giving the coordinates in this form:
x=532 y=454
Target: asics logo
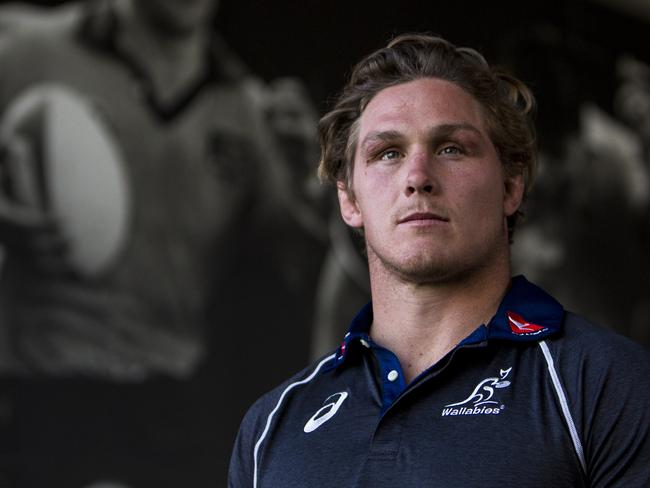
x=327 y=411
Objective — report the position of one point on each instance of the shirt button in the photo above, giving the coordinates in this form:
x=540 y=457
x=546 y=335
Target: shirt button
x=392 y=376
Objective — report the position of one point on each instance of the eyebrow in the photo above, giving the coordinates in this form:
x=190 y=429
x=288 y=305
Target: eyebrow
x=379 y=136
x=439 y=131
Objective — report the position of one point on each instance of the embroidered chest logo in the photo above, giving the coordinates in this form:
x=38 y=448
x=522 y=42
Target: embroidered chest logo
x=520 y=326
x=481 y=401
x=327 y=411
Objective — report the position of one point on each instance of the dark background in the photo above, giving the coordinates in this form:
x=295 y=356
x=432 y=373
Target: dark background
x=319 y=40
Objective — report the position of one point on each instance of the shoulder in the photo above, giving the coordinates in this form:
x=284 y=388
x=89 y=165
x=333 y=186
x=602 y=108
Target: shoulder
x=263 y=412
x=584 y=343
x=265 y=406
x=16 y=16
x=594 y=359
x=606 y=379
x=258 y=421
x=26 y=28
x=34 y=44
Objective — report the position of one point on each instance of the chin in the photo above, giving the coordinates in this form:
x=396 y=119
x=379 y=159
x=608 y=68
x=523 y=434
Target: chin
x=429 y=273
x=420 y=269
x=433 y=266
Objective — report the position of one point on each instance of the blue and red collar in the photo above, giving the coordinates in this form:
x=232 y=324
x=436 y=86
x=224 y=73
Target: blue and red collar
x=527 y=313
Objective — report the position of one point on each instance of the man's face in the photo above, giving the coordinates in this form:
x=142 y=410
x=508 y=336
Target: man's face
x=428 y=187
x=177 y=17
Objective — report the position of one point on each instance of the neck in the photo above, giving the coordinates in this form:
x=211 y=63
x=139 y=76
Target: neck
x=171 y=62
x=422 y=322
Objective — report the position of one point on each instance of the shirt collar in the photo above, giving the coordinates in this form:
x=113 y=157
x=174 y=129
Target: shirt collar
x=526 y=313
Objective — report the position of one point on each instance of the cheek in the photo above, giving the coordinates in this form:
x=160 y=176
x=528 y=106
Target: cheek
x=373 y=190
x=372 y=175
x=481 y=195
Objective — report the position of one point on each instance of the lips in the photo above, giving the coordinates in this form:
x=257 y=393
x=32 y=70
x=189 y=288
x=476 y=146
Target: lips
x=422 y=217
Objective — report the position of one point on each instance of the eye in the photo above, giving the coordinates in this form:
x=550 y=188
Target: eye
x=390 y=154
x=450 y=150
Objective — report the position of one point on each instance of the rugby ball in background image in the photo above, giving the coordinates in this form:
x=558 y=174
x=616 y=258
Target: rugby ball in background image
x=72 y=168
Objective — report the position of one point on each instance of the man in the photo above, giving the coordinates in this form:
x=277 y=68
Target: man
x=120 y=370
x=455 y=374
x=184 y=115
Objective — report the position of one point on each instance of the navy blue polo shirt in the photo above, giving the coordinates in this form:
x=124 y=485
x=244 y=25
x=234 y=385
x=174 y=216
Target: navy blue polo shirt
x=538 y=397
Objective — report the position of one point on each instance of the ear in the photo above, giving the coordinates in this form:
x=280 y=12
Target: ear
x=513 y=194
x=349 y=208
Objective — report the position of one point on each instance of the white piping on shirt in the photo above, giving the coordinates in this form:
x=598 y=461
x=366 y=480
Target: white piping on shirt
x=277 y=407
x=577 y=445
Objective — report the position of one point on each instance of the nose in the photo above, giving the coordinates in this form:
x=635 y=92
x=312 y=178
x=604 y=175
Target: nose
x=419 y=178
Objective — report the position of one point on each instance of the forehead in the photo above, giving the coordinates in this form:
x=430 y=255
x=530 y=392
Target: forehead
x=421 y=104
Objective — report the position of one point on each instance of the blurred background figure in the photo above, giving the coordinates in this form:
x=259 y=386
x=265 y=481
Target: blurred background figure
x=147 y=183
x=587 y=232
x=168 y=253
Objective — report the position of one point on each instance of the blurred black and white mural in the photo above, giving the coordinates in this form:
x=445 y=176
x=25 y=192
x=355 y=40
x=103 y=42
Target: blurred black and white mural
x=167 y=253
